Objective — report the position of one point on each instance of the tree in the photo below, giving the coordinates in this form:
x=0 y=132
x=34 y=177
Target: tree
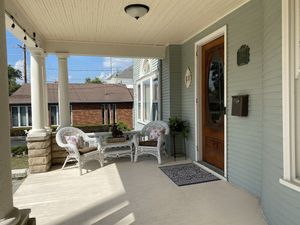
x=13 y=75
x=96 y=80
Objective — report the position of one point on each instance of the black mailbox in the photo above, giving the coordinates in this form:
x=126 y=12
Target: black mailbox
x=240 y=105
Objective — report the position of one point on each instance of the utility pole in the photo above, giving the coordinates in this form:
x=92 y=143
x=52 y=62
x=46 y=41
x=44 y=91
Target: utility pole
x=24 y=57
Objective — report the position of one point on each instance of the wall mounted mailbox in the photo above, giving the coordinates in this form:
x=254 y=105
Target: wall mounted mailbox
x=240 y=105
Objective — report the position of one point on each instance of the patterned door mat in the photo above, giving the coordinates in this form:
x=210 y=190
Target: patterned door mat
x=186 y=174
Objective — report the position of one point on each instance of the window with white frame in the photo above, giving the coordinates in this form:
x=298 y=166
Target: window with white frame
x=148 y=99
x=291 y=93
x=54 y=115
x=21 y=116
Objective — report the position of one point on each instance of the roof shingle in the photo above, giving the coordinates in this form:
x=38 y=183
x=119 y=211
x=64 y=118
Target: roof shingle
x=79 y=93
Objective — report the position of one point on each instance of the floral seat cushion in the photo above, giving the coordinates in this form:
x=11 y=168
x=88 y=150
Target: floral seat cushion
x=155 y=133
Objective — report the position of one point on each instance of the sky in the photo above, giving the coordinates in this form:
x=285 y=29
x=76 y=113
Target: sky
x=79 y=67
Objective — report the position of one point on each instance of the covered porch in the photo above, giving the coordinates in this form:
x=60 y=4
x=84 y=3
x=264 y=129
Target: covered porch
x=176 y=34
x=115 y=194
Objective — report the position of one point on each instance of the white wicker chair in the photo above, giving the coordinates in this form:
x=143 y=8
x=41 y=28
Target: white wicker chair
x=151 y=150
x=73 y=151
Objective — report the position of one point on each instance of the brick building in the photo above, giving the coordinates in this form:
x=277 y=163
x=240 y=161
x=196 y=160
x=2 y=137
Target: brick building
x=91 y=104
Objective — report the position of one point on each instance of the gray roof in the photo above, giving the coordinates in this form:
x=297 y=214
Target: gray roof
x=79 y=93
x=125 y=74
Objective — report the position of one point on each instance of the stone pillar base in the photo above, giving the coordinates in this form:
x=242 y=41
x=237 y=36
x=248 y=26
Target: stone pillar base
x=59 y=154
x=39 y=152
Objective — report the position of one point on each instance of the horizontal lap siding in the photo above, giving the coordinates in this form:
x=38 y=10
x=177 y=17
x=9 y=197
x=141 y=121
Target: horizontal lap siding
x=280 y=204
x=244 y=141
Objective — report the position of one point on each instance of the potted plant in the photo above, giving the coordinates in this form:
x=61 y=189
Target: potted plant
x=178 y=126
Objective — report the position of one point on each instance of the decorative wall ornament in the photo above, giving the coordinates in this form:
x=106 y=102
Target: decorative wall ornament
x=243 y=55
x=188 y=78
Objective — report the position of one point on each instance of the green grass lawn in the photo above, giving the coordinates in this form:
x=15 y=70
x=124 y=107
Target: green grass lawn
x=19 y=162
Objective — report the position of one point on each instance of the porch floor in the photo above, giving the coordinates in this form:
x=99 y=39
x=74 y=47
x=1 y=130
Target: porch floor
x=124 y=193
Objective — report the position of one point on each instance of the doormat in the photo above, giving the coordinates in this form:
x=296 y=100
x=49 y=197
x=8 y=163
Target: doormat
x=187 y=174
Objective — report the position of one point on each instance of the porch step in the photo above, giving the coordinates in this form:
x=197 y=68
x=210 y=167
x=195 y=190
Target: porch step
x=19 y=173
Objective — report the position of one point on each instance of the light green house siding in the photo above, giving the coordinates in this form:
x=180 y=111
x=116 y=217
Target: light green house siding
x=244 y=141
x=280 y=204
x=254 y=143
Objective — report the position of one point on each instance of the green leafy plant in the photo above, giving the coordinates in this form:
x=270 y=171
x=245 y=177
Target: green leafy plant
x=123 y=126
x=178 y=125
x=19 y=150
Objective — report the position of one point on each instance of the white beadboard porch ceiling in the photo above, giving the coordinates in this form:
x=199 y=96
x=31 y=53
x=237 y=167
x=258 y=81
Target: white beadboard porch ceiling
x=104 y=21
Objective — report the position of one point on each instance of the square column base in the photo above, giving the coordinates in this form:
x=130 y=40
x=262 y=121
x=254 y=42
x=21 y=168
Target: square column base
x=39 y=152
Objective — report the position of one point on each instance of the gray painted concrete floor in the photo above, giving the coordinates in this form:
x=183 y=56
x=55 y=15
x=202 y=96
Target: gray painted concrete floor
x=124 y=193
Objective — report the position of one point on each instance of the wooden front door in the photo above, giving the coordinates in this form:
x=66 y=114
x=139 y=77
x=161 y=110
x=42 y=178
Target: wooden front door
x=213 y=103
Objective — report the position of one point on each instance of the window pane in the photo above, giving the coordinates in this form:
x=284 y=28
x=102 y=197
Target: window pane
x=108 y=114
x=29 y=116
x=155 y=111
x=103 y=114
x=23 y=116
x=146 y=106
x=139 y=92
x=155 y=91
x=14 y=112
x=53 y=115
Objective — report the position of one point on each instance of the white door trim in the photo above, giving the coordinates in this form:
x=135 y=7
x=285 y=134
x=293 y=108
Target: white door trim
x=198 y=100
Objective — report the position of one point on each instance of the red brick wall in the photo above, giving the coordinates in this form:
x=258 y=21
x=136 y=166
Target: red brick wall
x=87 y=114
x=124 y=113
x=91 y=114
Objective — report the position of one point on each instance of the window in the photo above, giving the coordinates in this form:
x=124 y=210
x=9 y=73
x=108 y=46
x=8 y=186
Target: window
x=21 y=116
x=148 y=99
x=109 y=112
x=139 y=102
x=54 y=115
x=155 y=100
x=291 y=93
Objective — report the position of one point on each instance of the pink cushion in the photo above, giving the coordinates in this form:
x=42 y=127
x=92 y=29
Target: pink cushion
x=156 y=133
x=72 y=140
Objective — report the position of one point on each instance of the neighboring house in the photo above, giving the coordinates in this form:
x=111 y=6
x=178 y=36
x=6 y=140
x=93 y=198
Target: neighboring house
x=146 y=77
x=91 y=104
x=123 y=77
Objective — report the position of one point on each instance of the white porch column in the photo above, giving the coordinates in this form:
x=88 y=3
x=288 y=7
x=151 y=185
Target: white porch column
x=6 y=203
x=63 y=90
x=45 y=92
x=8 y=214
x=37 y=92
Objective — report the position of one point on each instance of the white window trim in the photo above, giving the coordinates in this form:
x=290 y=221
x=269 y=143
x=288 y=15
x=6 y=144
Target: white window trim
x=290 y=72
x=19 y=115
x=150 y=76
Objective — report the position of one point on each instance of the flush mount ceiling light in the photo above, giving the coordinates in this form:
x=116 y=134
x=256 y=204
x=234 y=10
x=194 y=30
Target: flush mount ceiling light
x=136 y=10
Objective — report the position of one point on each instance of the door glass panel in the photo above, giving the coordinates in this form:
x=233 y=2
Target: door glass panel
x=215 y=90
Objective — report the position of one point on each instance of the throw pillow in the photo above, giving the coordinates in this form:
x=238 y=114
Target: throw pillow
x=80 y=141
x=156 y=133
x=72 y=140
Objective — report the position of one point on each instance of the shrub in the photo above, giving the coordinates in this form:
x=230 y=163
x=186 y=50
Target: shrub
x=19 y=150
x=123 y=126
x=19 y=131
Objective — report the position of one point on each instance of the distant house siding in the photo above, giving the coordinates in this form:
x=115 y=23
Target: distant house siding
x=90 y=114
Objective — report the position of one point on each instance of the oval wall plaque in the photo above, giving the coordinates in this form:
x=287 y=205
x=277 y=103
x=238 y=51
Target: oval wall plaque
x=188 y=78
